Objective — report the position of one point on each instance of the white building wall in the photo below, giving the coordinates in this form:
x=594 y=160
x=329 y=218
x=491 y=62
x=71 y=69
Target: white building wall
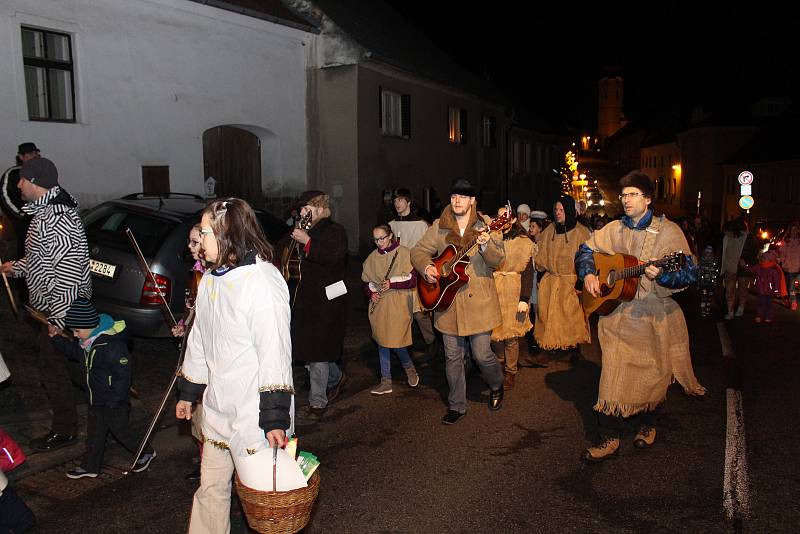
x=150 y=77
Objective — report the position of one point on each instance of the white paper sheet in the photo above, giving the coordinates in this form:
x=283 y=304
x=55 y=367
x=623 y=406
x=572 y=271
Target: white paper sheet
x=255 y=471
x=4 y=372
x=336 y=290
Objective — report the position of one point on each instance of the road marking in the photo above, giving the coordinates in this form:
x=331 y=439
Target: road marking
x=736 y=483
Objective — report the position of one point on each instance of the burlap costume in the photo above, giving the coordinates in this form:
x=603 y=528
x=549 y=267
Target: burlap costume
x=645 y=341
x=560 y=321
x=391 y=317
x=475 y=309
x=520 y=251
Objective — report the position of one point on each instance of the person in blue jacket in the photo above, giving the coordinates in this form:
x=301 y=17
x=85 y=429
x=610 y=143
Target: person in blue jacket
x=100 y=345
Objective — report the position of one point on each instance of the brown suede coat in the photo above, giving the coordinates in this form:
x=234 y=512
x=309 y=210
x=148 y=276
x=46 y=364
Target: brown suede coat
x=476 y=308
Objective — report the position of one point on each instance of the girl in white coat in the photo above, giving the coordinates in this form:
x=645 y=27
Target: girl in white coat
x=238 y=356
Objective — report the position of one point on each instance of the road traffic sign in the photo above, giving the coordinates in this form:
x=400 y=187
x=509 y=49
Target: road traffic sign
x=746 y=202
x=745 y=177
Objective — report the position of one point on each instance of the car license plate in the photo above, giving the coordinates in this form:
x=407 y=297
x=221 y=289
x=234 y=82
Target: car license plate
x=102 y=269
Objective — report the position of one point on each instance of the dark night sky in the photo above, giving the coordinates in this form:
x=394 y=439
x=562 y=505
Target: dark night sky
x=669 y=53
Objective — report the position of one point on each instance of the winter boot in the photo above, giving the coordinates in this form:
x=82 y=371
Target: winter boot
x=645 y=437
x=603 y=451
x=384 y=387
x=413 y=377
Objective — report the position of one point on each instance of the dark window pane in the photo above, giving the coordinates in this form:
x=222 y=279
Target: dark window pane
x=32 y=43
x=58 y=47
x=36 y=92
x=60 y=86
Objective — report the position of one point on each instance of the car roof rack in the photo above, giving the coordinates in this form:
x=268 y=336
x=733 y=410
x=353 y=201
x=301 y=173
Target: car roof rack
x=139 y=196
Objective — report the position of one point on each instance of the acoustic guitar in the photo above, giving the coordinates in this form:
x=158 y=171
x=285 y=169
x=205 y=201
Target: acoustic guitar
x=619 y=279
x=292 y=258
x=451 y=265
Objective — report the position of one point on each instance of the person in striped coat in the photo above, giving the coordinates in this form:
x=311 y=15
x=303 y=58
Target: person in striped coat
x=56 y=271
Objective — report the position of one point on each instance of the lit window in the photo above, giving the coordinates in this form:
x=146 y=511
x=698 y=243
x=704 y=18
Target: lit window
x=49 y=80
x=457 y=126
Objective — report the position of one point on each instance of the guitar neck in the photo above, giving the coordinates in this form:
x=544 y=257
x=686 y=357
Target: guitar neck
x=638 y=270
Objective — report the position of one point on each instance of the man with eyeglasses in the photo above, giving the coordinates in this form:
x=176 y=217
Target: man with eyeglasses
x=475 y=311
x=645 y=342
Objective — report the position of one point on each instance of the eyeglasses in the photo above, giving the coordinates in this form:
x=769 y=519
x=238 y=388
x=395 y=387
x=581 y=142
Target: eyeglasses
x=623 y=196
x=381 y=238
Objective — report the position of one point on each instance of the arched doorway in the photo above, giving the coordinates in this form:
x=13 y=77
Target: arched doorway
x=233 y=157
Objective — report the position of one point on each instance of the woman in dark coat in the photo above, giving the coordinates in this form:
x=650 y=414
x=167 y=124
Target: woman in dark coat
x=318 y=315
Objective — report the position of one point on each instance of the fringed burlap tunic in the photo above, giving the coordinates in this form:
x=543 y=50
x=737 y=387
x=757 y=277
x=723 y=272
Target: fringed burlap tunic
x=560 y=321
x=520 y=251
x=645 y=342
x=391 y=316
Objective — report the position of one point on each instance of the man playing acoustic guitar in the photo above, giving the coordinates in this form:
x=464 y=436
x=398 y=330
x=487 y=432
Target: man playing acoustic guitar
x=475 y=310
x=644 y=341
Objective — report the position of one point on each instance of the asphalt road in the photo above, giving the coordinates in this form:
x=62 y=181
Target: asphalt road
x=389 y=465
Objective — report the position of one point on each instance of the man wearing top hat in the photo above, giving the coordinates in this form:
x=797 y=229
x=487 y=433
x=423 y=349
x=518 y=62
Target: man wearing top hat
x=475 y=311
x=56 y=270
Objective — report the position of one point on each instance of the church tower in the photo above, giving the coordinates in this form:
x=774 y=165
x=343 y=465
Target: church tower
x=609 y=107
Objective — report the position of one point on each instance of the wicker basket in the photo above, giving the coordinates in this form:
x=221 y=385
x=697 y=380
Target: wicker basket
x=278 y=512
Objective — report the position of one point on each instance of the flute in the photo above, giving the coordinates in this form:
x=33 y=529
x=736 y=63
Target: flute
x=382 y=291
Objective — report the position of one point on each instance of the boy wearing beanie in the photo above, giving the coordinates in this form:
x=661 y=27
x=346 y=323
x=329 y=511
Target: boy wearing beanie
x=100 y=345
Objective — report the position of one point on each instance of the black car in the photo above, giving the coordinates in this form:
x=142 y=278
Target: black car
x=161 y=225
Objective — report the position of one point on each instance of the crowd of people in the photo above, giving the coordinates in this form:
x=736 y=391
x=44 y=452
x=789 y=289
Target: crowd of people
x=474 y=285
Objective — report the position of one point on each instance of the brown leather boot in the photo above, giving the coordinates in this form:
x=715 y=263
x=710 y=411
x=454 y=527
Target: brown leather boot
x=602 y=451
x=645 y=437
x=508 y=381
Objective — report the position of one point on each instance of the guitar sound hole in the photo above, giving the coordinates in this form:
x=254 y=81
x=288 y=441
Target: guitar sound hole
x=611 y=277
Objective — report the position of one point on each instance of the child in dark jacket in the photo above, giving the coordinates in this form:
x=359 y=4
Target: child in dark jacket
x=769 y=283
x=100 y=345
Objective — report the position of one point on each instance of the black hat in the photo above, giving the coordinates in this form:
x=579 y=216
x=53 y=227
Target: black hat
x=26 y=148
x=82 y=314
x=640 y=181
x=320 y=198
x=40 y=171
x=462 y=186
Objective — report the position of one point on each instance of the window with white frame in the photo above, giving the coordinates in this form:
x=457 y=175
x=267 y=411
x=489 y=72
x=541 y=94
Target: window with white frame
x=49 y=77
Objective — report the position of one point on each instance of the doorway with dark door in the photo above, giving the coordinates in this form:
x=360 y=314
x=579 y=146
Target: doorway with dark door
x=232 y=156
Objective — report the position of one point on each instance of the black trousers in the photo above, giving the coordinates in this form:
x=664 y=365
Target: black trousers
x=612 y=426
x=103 y=420
x=56 y=375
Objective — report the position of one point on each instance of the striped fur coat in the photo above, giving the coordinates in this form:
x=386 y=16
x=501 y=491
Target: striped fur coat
x=56 y=262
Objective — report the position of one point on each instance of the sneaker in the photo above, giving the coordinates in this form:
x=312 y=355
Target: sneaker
x=80 y=472
x=144 y=462
x=645 y=437
x=452 y=417
x=739 y=311
x=608 y=448
x=51 y=442
x=384 y=387
x=758 y=319
x=793 y=306
x=413 y=377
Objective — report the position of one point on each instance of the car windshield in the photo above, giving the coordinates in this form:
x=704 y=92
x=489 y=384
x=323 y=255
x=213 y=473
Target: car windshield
x=106 y=226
